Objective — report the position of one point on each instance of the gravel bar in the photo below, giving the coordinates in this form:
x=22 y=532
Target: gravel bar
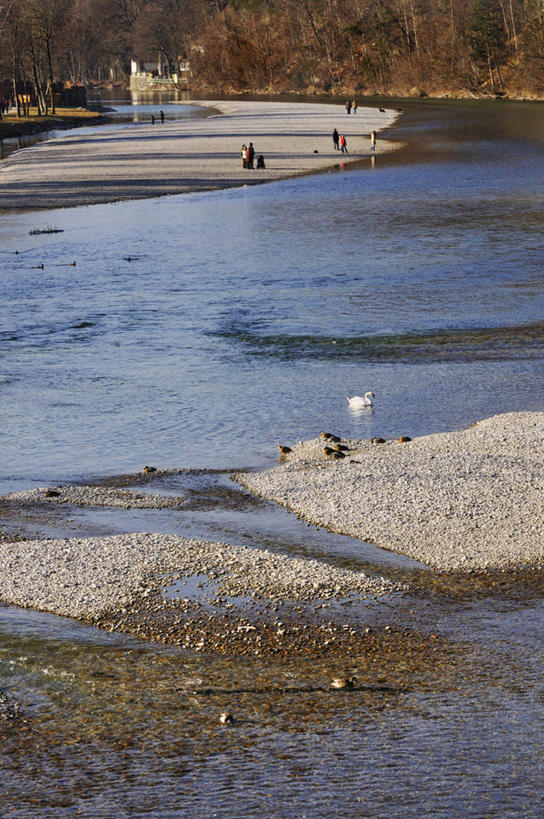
x=93 y=496
x=84 y=577
x=469 y=499
x=189 y=154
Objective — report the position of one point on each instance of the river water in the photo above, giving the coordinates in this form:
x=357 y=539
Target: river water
x=200 y=331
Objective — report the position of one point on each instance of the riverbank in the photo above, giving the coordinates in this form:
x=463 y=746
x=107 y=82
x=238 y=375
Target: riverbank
x=466 y=503
x=189 y=155
x=454 y=501
x=201 y=595
x=12 y=127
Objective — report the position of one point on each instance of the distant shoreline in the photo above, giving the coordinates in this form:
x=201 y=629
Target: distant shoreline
x=188 y=155
x=13 y=128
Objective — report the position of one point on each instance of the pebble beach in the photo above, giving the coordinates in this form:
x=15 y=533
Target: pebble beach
x=469 y=499
x=84 y=578
x=188 y=155
x=458 y=501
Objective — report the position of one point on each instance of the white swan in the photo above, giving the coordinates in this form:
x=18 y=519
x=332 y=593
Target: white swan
x=358 y=401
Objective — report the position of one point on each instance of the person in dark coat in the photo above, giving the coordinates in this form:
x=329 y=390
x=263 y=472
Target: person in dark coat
x=250 y=155
x=162 y=117
x=335 y=140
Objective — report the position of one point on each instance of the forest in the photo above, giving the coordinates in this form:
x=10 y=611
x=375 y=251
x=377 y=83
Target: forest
x=400 y=47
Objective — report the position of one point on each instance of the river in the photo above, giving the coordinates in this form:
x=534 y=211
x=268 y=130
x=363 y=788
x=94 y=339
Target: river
x=202 y=330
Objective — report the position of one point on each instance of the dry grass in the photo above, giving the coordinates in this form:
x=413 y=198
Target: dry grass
x=13 y=126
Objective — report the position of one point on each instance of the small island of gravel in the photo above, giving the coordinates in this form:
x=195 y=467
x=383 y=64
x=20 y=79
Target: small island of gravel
x=188 y=155
x=91 y=496
x=469 y=499
x=86 y=577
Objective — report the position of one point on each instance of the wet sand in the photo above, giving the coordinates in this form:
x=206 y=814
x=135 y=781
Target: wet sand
x=189 y=155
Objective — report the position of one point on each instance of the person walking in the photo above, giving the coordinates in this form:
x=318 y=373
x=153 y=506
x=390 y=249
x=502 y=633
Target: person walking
x=373 y=140
x=244 y=156
x=162 y=117
x=348 y=106
x=354 y=106
x=335 y=140
x=343 y=144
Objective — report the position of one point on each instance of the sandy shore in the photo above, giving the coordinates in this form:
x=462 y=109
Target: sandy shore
x=191 y=155
x=462 y=500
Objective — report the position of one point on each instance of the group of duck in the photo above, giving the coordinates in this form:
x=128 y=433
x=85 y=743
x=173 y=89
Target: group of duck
x=335 y=449
x=339 y=450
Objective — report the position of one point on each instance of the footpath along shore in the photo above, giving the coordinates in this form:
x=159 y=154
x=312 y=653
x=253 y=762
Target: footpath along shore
x=187 y=155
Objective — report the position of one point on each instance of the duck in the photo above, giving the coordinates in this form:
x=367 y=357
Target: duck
x=284 y=450
x=52 y=493
x=357 y=401
x=226 y=718
x=328 y=436
x=343 y=682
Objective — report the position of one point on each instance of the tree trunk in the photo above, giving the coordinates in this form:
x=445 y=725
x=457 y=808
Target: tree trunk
x=414 y=25
x=16 y=96
x=514 y=32
x=453 y=37
x=50 y=67
x=37 y=84
x=491 y=77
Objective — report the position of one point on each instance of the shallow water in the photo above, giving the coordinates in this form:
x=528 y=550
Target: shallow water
x=246 y=316
x=242 y=320
x=119 y=726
